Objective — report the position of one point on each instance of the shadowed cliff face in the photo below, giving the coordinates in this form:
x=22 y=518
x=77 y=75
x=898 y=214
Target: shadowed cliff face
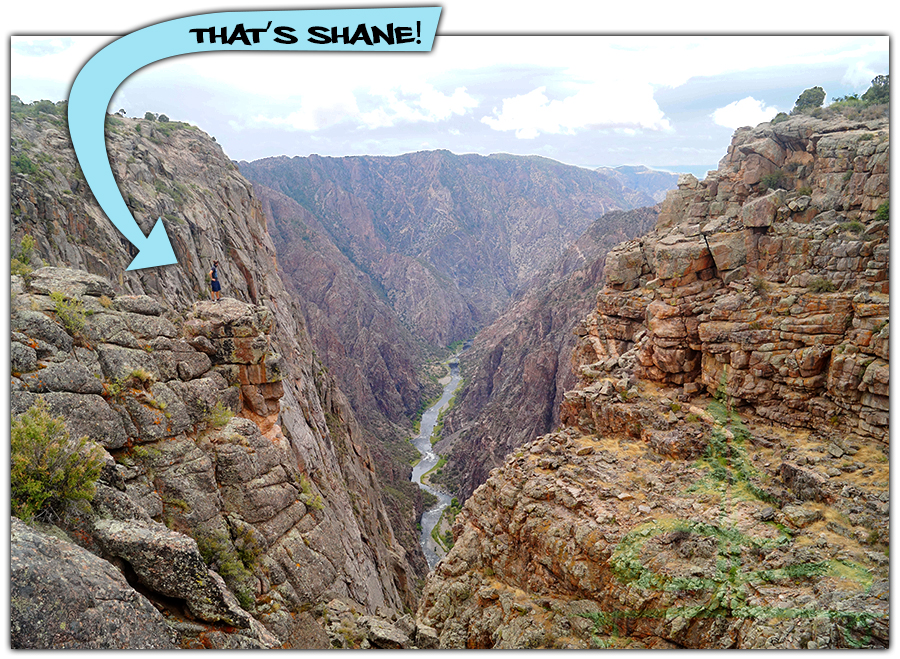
x=520 y=366
x=721 y=476
x=177 y=172
x=446 y=238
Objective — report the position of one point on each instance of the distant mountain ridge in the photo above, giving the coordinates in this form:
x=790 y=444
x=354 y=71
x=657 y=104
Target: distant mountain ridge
x=473 y=227
x=649 y=181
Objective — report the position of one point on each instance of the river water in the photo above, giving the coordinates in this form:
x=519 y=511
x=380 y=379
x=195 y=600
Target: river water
x=429 y=458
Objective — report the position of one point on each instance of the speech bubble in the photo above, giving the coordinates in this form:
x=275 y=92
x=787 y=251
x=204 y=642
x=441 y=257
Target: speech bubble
x=406 y=29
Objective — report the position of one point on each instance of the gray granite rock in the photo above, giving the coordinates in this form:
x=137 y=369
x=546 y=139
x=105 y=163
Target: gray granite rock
x=170 y=563
x=62 y=596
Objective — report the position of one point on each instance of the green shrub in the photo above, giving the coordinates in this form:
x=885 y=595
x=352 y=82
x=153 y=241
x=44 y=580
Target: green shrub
x=69 y=311
x=141 y=375
x=759 y=284
x=48 y=468
x=219 y=416
x=883 y=213
x=20 y=263
x=149 y=116
x=22 y=164
x=773 y=181
x=854 y=226
x=821 y=285
x=781 y=116
x=220 y=555
x=879 y=91
x=805 y=191
x=809 y=100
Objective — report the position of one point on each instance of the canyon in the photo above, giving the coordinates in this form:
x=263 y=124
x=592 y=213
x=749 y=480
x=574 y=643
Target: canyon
x=672 y=429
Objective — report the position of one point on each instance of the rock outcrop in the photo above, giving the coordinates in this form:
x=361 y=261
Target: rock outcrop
x=721 y=479
x=206 y=501
x=62 y=596
x=778 y=298
x=142 y=374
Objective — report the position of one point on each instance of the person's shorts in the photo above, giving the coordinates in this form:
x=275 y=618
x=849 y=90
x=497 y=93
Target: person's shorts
x=216 y=287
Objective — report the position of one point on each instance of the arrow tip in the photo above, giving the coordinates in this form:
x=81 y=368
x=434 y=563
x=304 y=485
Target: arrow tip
x=156 y=249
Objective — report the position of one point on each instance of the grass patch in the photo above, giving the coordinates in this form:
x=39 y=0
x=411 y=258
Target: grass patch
x=70 y=312
x=20 y=256
x=820 y=285
x=219 y=416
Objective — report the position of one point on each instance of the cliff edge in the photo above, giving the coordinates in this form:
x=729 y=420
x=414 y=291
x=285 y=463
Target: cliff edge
x=721 y=478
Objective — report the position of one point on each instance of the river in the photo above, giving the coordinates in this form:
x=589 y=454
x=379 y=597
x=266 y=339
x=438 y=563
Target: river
x=429 y=458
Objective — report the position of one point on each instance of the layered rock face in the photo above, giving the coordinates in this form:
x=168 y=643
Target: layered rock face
x=174 y=171
x=518 y=367
x=779 y=298
x=722 y=477
x=201 y=483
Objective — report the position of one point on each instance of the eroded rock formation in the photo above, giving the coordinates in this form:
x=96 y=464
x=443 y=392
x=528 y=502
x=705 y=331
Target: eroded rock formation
x=722 y=476
x=294 y=421
x=202 y=483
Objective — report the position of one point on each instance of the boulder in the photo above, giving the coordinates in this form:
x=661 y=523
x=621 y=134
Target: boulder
x=22 y=358
x=381 y=634
x=169 y=563
x=62 y=596
x=801 y=516
x=192 y=365
x=761 y=212
x=71 y=376
x=88 y=415
x=142 y=304
x=159 y=414
x=681 y=257
x=121 y=363
x=729 y=250
x=36 y=325
x=69 y=282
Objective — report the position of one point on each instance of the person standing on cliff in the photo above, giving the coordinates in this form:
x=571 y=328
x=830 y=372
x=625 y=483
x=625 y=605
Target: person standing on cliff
x=214 y=282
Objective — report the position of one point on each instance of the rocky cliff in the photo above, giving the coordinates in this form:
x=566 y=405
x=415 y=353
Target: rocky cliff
x=721 y=479
x=288 y=481
x=377 y=362
x=395 y=258
x=519 y=367
x=447 y=238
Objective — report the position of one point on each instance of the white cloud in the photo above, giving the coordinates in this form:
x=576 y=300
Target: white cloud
x=746 y=112
x=315 y=113
x=416 y=103
x=44 y=67
x=859 y=75
x=624 y=104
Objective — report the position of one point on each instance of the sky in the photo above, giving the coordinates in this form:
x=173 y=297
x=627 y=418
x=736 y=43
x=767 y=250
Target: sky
x=663 y=101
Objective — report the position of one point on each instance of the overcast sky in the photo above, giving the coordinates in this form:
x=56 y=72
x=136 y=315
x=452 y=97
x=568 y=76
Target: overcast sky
x=662 y=101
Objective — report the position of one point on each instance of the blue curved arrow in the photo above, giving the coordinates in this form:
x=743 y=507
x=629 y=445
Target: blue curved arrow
x=96 y=83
